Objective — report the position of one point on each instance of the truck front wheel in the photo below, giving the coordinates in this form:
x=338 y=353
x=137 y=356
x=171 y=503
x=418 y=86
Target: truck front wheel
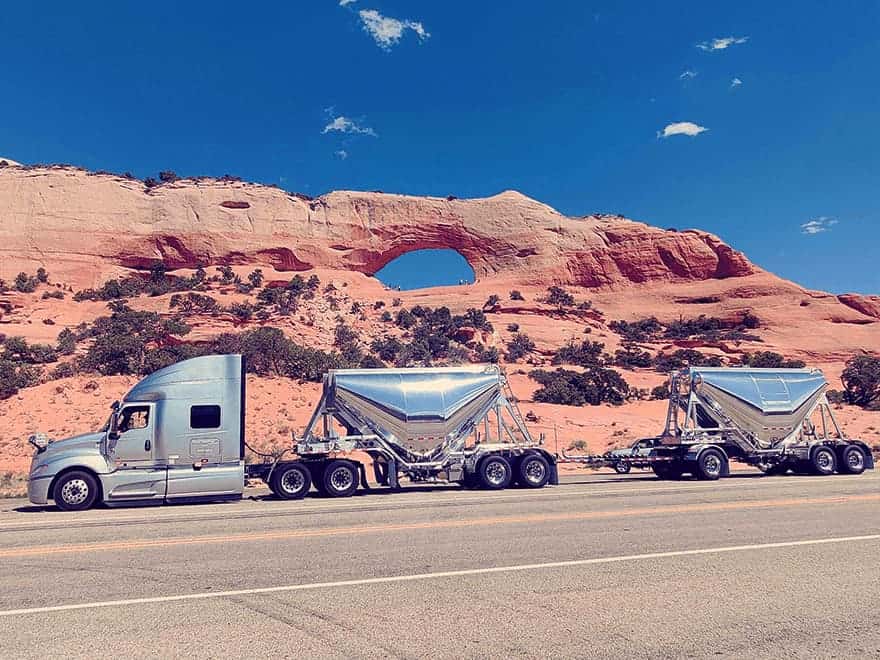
x=340 y=479
x=292 y=481
x=75 y=491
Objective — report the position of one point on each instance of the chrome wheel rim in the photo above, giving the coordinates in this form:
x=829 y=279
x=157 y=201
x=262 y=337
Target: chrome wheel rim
x=292 y=481
x=341 y=479
x=712 y=464
x=75 y=492
x=855 y=459
x=535 y=471
x=496 y=473
x=824 y=461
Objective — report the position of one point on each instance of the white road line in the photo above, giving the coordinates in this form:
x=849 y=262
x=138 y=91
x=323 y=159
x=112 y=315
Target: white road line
x=433 y=576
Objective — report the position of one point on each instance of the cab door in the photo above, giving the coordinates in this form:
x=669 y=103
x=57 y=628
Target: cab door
x=132 y=455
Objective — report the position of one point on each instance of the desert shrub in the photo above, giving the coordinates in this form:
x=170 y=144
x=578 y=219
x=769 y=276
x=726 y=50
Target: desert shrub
x=836 y=397
x=660 y=392
x=593 y=386
x=682 y=358
x=474 y=318
x=66 y=342
x=487 y=354
x=371 y=362
x=770 y=360
x=313 y=283
x=63 y=370
x=227 y=275
x=356 y=308
x=386 y=348
x=712 y=328
x=516 y=295
x=397 y=302
x=193 y=303
x=167 y=176
x=56 y=294
x=42 y=275
x=15 y=375
x=587 y=353
x=635 y=331
x=585 y=305
x=631 y=356
x=492 y=302
x=861 y=381
x=344 y=335
x=25 y=284
x=242 y=311
x=519 y=346
x=386 y=316
x=150 y=182
x=255 y=277
x=559 y=297
x=42 y=354
x=513 y=327
x=405 y=319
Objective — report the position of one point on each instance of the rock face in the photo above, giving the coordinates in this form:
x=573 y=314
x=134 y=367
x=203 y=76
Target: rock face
x=78 y=224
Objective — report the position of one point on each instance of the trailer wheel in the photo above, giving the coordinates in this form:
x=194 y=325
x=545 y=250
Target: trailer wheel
x=494 y=472
x=292 y=481
x=852 y=460
x=621 y=467
x=533 y=471
x=340 y=479
x=823 y=461
x=710 y=464
x=75 y=491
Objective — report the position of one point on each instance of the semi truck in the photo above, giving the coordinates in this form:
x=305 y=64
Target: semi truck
x=179 y=435
x=778 y=420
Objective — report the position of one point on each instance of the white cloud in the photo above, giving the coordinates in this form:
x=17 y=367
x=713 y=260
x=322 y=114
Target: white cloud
x=681 y=128
x=342 y=154
x=818 y=225
x=345 y=3
x=343 y=124
x=721 y=43
x=688 y=74
x=387 y=31
x=736 y=82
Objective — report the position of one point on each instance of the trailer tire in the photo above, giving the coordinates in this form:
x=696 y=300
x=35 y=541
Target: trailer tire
x=291 y=481
x=340 y=479
x=823 y=461
x=76 y=490
x=494 y=472
x=533 y=471
x=710 y=464
x=852 y=460
x=622 y=467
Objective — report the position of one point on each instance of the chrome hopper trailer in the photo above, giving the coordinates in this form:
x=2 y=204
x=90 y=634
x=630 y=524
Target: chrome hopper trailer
x=179 y=435
x=774 y=419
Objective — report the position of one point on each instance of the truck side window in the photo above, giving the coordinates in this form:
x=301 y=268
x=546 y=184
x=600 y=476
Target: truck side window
x=204 y=417
x=134 y=417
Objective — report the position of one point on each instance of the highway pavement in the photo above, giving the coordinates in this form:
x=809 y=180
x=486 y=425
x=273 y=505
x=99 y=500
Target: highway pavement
x=600 y=566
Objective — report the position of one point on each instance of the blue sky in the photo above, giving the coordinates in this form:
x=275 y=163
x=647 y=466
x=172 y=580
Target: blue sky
x=560 y=100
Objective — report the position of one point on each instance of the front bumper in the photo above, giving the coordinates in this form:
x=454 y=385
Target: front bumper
x=38 y=490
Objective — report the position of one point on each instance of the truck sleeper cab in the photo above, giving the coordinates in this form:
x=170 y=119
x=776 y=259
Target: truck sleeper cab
x=177 y=435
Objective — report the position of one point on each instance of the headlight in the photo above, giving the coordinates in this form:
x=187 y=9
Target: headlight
x=39 y=440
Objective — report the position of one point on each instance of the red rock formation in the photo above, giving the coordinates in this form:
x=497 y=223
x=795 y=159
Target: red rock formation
x=79 y=223
x=867 y=305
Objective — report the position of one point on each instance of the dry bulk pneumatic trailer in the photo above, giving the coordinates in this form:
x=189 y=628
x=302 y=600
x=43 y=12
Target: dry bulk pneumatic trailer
x=179 y=435
x=774 y=419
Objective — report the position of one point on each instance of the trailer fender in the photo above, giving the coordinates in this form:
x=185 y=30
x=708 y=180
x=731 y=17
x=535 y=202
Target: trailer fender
x=694 y=451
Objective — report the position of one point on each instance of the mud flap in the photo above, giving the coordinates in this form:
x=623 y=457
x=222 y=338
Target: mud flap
x=554 y=475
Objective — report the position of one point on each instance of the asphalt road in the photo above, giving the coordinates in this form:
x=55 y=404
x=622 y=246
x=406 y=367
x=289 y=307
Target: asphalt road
x=602 y=566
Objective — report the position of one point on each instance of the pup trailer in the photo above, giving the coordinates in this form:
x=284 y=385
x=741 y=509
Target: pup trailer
x=777 y=420
x=179 y=435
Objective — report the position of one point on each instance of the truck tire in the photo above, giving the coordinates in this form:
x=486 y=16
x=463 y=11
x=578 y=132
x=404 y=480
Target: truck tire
x=710 y=464
x=533 y=471
x=823 y=461
x=494 y=473
x=291 y=481
x=340 y=479
x=852 y=460
x=622 y=467
x=76 y=490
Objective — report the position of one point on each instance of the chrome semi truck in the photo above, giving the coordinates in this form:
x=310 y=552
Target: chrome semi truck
x=778 y=420
x=179 y=435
